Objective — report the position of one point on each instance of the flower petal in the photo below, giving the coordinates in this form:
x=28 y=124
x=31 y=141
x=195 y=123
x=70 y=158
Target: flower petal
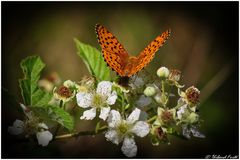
x=129 y=147
x=186 y=132
x=134 y=116
x=104 y=88
x=17 y=128
x=143 y=116
x=113 y=136
x=84 y=100
x=143 y=101
x=23 y=107
x=196 y=133
x=89 y=114
x=137 y=82
x=112 y=98
x=141 y=129
x=181 y=111
x=42 y=125
x=104 y=113
x=114 y=118
x=69 y=83
x=44 y=137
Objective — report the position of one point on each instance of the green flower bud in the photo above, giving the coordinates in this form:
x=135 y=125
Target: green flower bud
x=149 y=91
x=163 y=72
x=192 y=118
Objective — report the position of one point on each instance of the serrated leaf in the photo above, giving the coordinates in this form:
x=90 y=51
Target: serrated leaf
x=56 y=114
x=93 y=60
x=31 y=93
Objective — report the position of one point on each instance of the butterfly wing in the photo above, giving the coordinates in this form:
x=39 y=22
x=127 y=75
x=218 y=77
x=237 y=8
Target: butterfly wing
x=113 y=52
x=148 y=53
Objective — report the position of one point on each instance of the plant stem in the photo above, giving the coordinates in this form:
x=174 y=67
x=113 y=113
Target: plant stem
x=58 y=126
x=122 y=98
x=152 y=119
x=82 y=133
x=163 y=96
x=61 y=104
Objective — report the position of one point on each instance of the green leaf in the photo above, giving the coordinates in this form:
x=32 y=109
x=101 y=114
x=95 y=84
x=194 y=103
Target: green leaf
x=93 y=60
x=31 y=93
x=56 y=114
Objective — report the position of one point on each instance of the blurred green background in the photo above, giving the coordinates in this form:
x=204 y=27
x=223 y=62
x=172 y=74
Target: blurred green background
x=203 y=45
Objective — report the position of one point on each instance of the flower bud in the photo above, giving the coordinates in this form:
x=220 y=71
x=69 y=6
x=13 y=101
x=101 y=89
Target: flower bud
x=192 y=118
x=149 y=91
x=46 y=85
x=163 y=72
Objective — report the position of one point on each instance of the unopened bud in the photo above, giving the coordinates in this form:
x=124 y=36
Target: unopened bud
x=192 y=118
x=149 y=91
x=163 y=72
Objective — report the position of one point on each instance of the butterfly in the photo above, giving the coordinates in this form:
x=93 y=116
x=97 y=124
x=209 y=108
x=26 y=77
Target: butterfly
x=117 y=57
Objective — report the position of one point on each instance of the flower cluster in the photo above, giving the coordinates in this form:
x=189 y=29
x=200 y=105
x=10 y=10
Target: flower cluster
x=143 y=108
x=170 y=118
x=31 y=126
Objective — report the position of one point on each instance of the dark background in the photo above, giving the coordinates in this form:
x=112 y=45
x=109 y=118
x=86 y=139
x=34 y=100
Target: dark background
x=203 y=45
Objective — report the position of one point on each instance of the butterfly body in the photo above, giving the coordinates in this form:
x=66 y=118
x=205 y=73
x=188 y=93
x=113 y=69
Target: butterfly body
x=117 y=57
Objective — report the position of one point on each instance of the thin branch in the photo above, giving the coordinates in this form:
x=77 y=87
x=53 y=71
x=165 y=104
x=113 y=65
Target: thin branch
x=82 y=133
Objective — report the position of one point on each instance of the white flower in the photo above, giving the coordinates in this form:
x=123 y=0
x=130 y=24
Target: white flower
x=101 y=99
x=184 y=115
x=17 y=128
x=124 y=130
x=44 y=137
x=41 y=131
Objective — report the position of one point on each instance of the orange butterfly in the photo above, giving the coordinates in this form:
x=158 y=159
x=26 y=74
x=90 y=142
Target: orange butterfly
x=118 y=58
